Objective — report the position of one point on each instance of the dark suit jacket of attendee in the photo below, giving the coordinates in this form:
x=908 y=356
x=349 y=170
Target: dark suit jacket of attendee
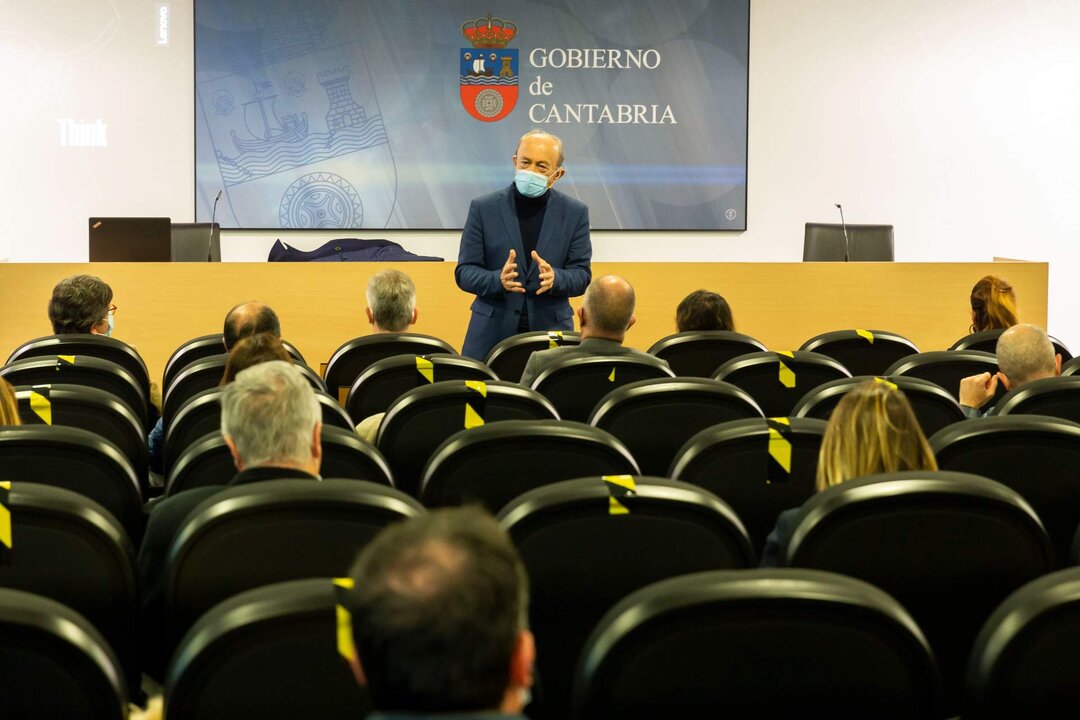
x=162 y=528
x=589 y=347
x=490 y=232
x=778 y=538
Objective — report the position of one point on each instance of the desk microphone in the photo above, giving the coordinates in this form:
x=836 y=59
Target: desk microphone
x=847 y=243
x=210 y=240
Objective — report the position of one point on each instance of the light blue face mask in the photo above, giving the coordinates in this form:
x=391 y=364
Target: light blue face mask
x=112 y=324
x=530 y=184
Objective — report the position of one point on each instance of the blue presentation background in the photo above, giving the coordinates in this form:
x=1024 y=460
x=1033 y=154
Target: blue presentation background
x=347 y=114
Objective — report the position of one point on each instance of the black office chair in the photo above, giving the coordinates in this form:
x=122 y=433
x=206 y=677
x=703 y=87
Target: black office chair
x=91 y=409
x=352 y=358
x=574 y=385
x=759 y=467
x=1072 y=367
x=384 y=381
x=698 y=353
x=1034 y=455
x=949 y=546
x=826 y=242
x=56 y=665
x=777 y=381
x=206 y=346
x=509 y=357
x=777 y=643
x=420 y=420
x=1054 y=397
x=495 y=463
x=98 y=346
x=76 y=460
x=655 y=418
x=946 y=368
x=208 y=461
x=70 y=549
x=934 y=406
x=81 y=370
x=862 y=352
x=1024 y=661
x=987 y=342
x=253 y=535
x=621 y=534
x=271 y=651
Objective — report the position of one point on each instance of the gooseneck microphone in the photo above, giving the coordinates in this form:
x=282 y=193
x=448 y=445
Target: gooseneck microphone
x=847 y=243
x=210 y=240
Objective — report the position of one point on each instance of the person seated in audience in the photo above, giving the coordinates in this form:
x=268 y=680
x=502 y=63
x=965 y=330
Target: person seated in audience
x=1024 y=353
x=872 y=430
x=439 y=612
x=271 y=421
x=9 y=407
x=703 y=310
x=605 y=315
x=252 y=350
x=391 y=308
x=993 y=305
x=82 y=304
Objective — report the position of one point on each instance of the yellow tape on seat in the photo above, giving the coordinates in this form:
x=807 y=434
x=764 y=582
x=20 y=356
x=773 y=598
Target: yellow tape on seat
x=345 y=646
x=69 y=359
x=866 y=334
x=619 y=486
x=6 y=544
x=426 y=368
x=40 y=403
x=787 y=375
x=611 y=377
x=885 y=381
x=780 y=442
x=555 y=338
x=474 y=406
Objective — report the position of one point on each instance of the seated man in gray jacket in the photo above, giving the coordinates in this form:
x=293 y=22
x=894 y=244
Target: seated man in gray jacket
x=604 y=317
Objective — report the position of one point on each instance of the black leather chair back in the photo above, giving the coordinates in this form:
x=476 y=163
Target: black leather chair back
x=987 y=342
x=203 y=347
x=509 y=357
x=946 y=368
x=862 y=352
x=384 y=381
x=574 y=385
x=98 y=346
x=698 y=353
x=777 y=381
x=352 y=358
x=1054 y=397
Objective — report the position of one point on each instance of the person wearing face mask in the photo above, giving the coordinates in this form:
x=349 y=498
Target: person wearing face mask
x=525 y=250
x=82 y=304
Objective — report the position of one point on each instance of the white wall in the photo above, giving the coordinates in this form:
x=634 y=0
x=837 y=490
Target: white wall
x=955 y=120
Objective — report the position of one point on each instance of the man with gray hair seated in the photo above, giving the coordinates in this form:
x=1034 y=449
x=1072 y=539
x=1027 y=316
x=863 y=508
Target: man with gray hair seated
x=272 y=423
x=605 y=315
x=1024 y=353
x=391 y=299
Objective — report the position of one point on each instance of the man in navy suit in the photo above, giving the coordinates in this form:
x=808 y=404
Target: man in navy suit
x=525 y=250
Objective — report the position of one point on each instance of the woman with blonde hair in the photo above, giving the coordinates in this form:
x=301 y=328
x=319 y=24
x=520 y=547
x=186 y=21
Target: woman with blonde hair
x=993 y=305
x=9 y=407
x=872 y=430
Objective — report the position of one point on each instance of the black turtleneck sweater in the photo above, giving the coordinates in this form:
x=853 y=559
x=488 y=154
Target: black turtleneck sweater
x=530 y=212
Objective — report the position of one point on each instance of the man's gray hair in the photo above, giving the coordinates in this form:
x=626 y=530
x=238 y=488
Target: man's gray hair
x=553 y=136
x=1025 y=353
x=270 y=412
x=391 y=297
x=609 y=304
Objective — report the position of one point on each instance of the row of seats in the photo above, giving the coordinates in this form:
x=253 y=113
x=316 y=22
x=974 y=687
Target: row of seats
x=640 y=587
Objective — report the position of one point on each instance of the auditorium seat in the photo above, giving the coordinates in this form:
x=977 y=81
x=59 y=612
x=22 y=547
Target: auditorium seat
x=55 y=663
x=779 y=643
x=986 y=341
x=421 y=419
x=655 y=418
x=760 y=467
x=698 y=353
x=254 y=535
x=934 y=407
x=270 y=651
x=382 y=382
x=946 y=368
x=349 y=360
x=203 y=347
x=1072 y=367
x=495 y=463
x=208 y=461
x=948 y=546
x=588 y=543
x=91 y=409
x=509 y=357
x=1034 y=455
x=81 y=370
x=862 y=352
x=1024 y=662
x=70 y=549
x=778 y=380
x=1055 y=397
x=77 y=460
x=574 y=385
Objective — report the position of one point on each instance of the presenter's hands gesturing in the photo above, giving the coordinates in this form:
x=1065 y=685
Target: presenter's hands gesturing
x=547 y=273
x=509 y=272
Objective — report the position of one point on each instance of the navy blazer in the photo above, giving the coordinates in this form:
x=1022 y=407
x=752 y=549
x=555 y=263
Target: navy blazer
x=490 y=232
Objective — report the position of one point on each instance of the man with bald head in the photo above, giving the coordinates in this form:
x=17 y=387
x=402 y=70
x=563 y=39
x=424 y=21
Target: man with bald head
x=249 y=318
x=525 y=250
x=605 y=316
x=1024 y=353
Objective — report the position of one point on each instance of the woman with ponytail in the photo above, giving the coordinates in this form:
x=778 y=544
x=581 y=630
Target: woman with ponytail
x=993 y=305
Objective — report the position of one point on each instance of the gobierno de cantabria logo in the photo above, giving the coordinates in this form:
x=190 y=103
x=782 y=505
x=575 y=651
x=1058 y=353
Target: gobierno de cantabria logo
x=489 y=70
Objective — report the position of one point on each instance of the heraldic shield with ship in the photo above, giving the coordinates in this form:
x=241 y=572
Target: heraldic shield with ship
x=300 y=143
x=489 y=70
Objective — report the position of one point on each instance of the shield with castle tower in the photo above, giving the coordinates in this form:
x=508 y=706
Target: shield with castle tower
x=489 y=70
